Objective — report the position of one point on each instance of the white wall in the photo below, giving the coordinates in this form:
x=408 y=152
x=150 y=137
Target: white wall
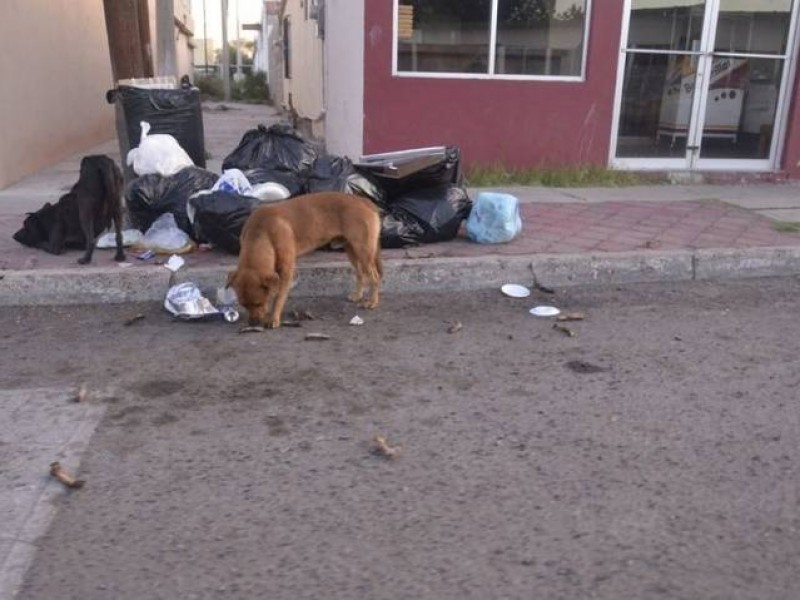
x=344 y=77
x=305 y=84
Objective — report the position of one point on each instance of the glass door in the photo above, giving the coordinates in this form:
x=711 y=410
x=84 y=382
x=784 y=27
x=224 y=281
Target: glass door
x=702 y=84
x=747 y=71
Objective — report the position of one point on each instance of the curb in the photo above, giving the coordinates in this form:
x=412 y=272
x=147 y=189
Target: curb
x=101 y=285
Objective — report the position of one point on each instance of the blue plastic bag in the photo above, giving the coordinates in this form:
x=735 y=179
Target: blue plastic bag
x=494 y=218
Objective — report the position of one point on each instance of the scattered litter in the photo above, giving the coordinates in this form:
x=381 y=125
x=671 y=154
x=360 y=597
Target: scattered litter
x=291 y=324
x=455 y=327
x=581 y=366
x=130 y=321
x=146 y=255
x=543 y=288
x=174 y=263
x=571 y=316
x=57 y=471
x=124 y=265
x=303 y=315
x=317 y=337
x=231 y=315
x=185 y=301
x=564 y=329
x=83 y=394
x=252 y=329
x=130 y=237
x=383 y=448
x=544 y=311
x=514 y=290
x=356 y=320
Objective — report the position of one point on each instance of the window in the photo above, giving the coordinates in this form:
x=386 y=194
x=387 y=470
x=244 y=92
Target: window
x=494 y=38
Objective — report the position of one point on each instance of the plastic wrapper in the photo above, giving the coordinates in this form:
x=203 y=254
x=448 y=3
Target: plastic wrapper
x=494 y=219
x=150 y=196
x=337 y=174
x=164 y=236
x=278 y=147
x=219 y=218
x=233 y=180
x=186 y=301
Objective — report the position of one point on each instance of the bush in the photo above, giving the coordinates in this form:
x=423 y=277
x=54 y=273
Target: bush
x=253 y=88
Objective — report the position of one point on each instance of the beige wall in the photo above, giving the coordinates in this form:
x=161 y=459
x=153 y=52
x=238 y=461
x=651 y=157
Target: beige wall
x=55 y=70
x=305 y=85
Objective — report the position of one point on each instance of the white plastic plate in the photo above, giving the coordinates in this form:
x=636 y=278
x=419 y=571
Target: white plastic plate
x=514 y=290
x=544 y=311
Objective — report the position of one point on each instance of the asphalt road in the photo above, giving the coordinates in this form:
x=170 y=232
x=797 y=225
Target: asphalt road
x=654 y=454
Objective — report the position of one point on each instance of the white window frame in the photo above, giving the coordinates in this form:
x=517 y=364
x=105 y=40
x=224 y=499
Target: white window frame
x=492 y=41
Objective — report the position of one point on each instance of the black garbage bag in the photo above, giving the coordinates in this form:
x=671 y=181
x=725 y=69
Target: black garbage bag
x=446 y=170
x=178 y=112
x=150 y=196
x=294 y=182
x=437 y=210
x=278 y=147
x=337 y=174
x=219 y=218
x=400 y=230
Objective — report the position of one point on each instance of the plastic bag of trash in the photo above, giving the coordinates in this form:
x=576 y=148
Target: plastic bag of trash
x=278 y=147
x=438 y=210
x=150 y=196
x=400 y=231
x=233 y=180
x=494 y=219
x=337 y=174
x=219 y=218
x=186 y=301
x=442 y=168
x=158 y=153
x=165 y=237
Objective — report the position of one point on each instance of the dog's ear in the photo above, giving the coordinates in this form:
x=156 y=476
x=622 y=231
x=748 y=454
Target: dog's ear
x=231 y=278
x=269 y=281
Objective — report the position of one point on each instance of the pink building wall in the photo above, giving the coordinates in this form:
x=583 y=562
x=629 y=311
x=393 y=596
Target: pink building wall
x=516 y=123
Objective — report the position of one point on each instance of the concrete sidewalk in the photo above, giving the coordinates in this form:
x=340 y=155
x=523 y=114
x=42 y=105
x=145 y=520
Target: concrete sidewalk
x=570 y=236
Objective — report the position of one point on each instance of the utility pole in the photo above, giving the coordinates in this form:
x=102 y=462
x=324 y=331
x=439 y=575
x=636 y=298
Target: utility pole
x=226 y=57
x=167 y=64
x=238 y=45
x=205 y=40
x=128 y=30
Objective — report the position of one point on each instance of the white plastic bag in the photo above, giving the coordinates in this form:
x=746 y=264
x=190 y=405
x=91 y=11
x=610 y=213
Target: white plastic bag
x=494 y=218
x=233 y=180
x=158 y=153
x=270 y=191
x=164 y=236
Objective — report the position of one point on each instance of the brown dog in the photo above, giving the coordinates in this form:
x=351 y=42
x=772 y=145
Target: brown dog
x=274 y=235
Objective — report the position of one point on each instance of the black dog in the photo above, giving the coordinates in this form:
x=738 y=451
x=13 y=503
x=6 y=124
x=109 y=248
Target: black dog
x=81 y=215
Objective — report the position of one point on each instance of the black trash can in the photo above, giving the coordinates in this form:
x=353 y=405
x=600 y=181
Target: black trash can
x=178 y=112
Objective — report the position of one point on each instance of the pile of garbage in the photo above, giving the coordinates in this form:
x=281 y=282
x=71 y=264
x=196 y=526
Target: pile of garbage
x=419 y=192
